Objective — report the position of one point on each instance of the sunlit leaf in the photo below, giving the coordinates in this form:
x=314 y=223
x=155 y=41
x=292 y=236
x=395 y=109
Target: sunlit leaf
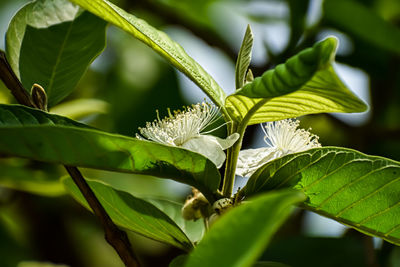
x=133 y=213
x=240 y=236
x=358 y=190
x=52 y=43
x=159 y=42
x=305 y=84
x=29 y=133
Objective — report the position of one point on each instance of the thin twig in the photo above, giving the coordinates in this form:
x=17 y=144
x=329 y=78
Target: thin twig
x=117 y=238
x=114 y=236
x=11 y=81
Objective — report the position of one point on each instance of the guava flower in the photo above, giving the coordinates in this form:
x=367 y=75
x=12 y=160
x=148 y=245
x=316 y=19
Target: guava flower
x=184 y=129
x=282 y=138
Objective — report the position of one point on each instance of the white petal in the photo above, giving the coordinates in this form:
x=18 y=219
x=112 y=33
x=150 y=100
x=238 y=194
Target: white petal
x=208 y=146
x=251 y=159
x=227 y=142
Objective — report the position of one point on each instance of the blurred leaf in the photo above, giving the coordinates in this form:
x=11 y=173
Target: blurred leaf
x=39 y=264
x=193 y=229
x=355 y=189
x=240 y=236
x=179 y=261
x=305 y=84
x=52 y=43
x=22 y=178
x=133 y=213
x=244 y=58
x=80 y=108
x=317 y=251
x=30 y=133
x=159 y=42
x=358 y=20
x=269 y=264
x=298 y=13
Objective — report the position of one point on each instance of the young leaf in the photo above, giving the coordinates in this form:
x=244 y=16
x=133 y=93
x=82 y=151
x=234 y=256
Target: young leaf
x=305 y=84
x=33 y=134
x=345 y=185
x=52 y=43
x=240 y=236
x=244 y=58
x=159 y=42
x=133 y=213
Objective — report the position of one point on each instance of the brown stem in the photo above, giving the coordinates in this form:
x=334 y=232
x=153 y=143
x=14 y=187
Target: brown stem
x=114 y=236
x=11 y=81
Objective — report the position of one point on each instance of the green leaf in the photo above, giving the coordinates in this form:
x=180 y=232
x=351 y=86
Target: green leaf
x=18 y=176
x=193 y=229
x=356 y=19
x=307 y=251
x=240 y=236
x=305 y=84
x=33 y=134
x=133 y=213
x=159 y=42
x=52 y=43
x=179 y=261
x=244 y=58
x=269 y=264
x=355 y=189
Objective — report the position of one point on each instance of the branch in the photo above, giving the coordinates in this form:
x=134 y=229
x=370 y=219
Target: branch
x=11 y=81
x=117 y=238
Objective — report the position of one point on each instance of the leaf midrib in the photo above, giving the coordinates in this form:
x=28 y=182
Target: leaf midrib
x=61 y=51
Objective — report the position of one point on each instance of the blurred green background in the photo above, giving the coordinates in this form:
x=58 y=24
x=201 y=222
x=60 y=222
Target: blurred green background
x=128 y=82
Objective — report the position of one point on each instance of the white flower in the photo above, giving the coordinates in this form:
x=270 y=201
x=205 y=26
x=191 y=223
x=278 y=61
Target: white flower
x=282 y=138
x=184 y=129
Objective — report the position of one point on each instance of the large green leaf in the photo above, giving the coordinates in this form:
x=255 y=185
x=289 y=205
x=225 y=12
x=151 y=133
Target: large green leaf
x=159 y=42
x=240 y=236
x=52 y=43
x=305 y=84
x=133 y=213
x=30 y=133
x=18 y=176
x=355 y=18
x=358 y=190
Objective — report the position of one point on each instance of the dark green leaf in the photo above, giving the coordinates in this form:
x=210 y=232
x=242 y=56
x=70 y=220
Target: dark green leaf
x=29 y=133
x=358 y=190
x=298 y=13
x=52 y=43
x=240 y=236
x=244 y=58
x=269 y=264
x=133 y=213
x=358 y=20
x=159 y=42
x=312 y=251
x=178 y=261
x=305 y=84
